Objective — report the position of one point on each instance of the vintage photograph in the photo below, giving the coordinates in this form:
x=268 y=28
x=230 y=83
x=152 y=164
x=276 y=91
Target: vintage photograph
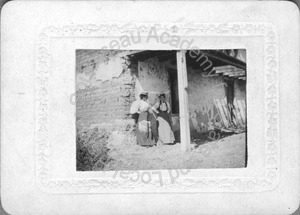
x=133 y=112
x=128 y=109
x=150 y=107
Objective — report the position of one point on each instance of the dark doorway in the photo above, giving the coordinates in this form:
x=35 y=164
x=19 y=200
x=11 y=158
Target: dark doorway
x=230 y=92
x=174 y=91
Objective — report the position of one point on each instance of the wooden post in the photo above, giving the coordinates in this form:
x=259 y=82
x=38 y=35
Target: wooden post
x=183 y=101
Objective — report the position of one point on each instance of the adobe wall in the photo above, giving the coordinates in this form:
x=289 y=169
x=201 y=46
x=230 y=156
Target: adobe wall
x=153 y=78
x=104 y=103
x=201 y=94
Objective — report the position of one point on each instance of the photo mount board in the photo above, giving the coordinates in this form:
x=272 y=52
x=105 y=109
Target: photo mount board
x=42 y=75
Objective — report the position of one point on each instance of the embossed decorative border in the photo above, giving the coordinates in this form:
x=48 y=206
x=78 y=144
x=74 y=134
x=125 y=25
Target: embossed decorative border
x=184 y=184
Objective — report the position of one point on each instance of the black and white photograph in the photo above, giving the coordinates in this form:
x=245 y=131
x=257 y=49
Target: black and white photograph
x=129 y=105
x=150 y=107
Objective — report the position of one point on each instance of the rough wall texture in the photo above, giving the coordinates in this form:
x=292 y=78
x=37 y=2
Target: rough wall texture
x=154 y=78
x=104 y=104
x=201 y=94
x=109 y=101
x=88 y=60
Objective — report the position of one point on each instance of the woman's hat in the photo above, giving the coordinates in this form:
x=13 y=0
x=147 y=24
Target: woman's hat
x=144 y=93
x=162 y=94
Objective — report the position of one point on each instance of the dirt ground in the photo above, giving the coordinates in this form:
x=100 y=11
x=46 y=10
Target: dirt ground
x=227 y=152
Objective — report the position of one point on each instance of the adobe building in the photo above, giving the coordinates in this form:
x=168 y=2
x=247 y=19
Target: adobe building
x=205 y=88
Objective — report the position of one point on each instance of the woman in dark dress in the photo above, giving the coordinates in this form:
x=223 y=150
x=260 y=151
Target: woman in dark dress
x=146 y=129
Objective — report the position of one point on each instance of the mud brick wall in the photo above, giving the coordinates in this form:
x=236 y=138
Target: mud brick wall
x=154 y=79
x=109 y=101
x=87 y=60
x=103 y=102
x=202 y=91
x=201 y=94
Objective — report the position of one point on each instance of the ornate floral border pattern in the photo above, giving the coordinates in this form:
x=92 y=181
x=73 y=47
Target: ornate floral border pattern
x=184 y=184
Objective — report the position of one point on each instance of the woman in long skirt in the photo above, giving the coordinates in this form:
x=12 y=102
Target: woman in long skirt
x=145 y=121
x=162 y=108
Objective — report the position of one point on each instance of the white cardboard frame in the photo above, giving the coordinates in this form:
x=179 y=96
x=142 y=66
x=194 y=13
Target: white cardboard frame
x=38 y=43
x=264 y=182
